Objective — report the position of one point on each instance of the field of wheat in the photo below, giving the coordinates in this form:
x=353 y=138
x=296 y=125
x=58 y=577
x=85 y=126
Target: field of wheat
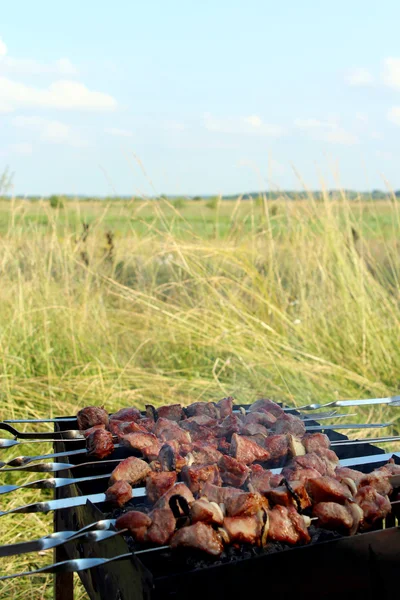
x=127 y=303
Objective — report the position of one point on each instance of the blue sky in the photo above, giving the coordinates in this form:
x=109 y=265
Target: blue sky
x=208 y=97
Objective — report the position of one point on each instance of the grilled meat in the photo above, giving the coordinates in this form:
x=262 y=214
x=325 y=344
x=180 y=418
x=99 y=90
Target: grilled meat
x=218 y=494
x=314 y=441
x=203 y=408
x=244 y=530
x=139 y=441
x=198 y=536
x=127 y=414
x=178 y=489
x=253 y=429
x=265 y=405
x=167 y=430
x=87 y=432
x=334 y=516
x=259 y=479
x=328 y=489
x=230 y=425
x=247 y=451
x=158 y=483
x=162 y=526
x=309 y=461
x=277 y=446
x=92 y=415
x=136 y=522
x=299 y=474
x=290 y=424
x=286 y=525
x=173 y=412
x=378 y=480
x=100 y=443
x=131 y=469
x=119 y=493
x=233 y=472
x=245 y=504
x=225 y=407
x=205 y=454
x=374 y=505
x=196 y=476
x=346 y=473
x=260 y=418
x=206 y=511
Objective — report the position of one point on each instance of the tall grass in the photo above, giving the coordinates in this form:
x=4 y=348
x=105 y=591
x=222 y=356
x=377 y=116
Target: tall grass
x=299 y=303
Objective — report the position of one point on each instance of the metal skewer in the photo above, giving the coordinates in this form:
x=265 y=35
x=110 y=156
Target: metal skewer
x=50 y=484
x=45 y=435
x=10 y=443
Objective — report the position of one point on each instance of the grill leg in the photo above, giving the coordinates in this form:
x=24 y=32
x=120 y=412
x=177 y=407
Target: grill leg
x=63 y=582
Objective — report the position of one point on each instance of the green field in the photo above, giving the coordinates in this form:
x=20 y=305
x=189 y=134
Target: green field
x=154 y=302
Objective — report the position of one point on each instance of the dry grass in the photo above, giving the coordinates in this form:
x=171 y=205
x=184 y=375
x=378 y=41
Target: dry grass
x=298 y=304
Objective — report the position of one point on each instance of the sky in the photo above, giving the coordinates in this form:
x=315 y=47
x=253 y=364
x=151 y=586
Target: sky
x=212 y=97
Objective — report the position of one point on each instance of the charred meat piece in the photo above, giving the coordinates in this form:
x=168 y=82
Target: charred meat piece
x=167 y=430
x=286 y=525
x=173 y=412
x=215 y=493
x=314 y=441
x=178 y=489
x=126 y=414
x=225 y=407
x=162 y=526
x=119 y=493
x=299 y=474
x=205 y=454
x=290 y=424
x=259 y=479
x=136 y=522
x=199 y=536
x=244 y=530
x=197 y=423
x=299 y=525
x=233 y=472
x=330 y=459
x=299 y=492
x=374 y=505
x=223 y=445
x=138 y=441
x=334 y=516
x=131 y=469
x=378 y=480
x=328 y=489
x=391 y=467
x=203 y=408
x=245 y=504
x=346 y=473
x=152 y=452
x=247 y=451
x=310 y=461
x=100 y=443
x=276 y=479
x=206 y=511
x=92 y=415
x=87 y=432
x=230 y=425
x=267 y=405
x=196 y=476
x=280 y=495
x=277 y=446
x=253 y=429
x=260 y=418
x=159 y=483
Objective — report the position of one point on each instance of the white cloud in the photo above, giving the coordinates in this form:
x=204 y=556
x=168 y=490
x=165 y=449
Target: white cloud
x=62 y=94
x=51 y=131
x=23 y=148
x=393 y=115
x=118 y=132
x=252 y=124
x=391 y=72
x=363 y=117
x=173 y=125
x=359 y=76
x=326 y=131
x=3 y=49
x=29 y=66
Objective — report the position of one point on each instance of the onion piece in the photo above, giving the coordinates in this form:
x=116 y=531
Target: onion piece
x=350 y=484
x=357 y=514
x=220 y=514
x=295 y=445
x=265 y=527
x=189 y=459
x=307 y=521
x=224 y=535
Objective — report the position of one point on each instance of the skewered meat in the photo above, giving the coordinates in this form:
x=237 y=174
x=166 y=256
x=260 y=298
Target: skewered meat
x=92 y=415
x=253 y=429
x=119 y=493
x=233 y=472
x=230 y=425
x=277 y=446
x=374 y=505
x=333 y=516
x=158 y=483
x=169 y=457
x=267 y=405
x=261 y=418
x=167 y=430
x=203 y=408
x=247 y=451
x=310 y=461
x=391 y=468
x=206 y=511
x=223 y=445
x=286 y=525
x=314 y=441
x=259 y=479
x=218 y=494
x=225 y=407
x=199 y=536
x=197 y=423
x=139 y=441
x=173 y=412
x=378 y=480
x=205 y=454
x=87 y=432
x=162 y=526
x=290 y=424
x=329 y=458
x=299 y=492
x=196 y=476
x=100 y=443
x=299 y=474
x=328 y=489
x=178 y=489
x=152 y=452
x=244 y=530
x=280 y=495
x=136 y=522
x=245 y=504
x=124 y=427
x=127 y=414
x=131 y=469
x=346 y=473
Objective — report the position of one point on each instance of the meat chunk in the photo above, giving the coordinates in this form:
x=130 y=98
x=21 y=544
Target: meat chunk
x=254 y=429
x=314 y=441
x=158 y=483
x=329 y=458
x=290 y=424
x=328 y=489
x=286 y=525
x=346 y=473
x=244 y=530
x=173 y=412
x=310 y=461
x=233 y=472
x=119 y=493
x=206 y=511
x=378 y=480
x=92 y=415
x=299 y=474
x=100 y=443
x=278 y=447
x=127 y=414
x=199 y=536
x=167 y=430
x=259 y=479
x=151 y=452
x=195 y=477
x=374 y=506
x=391 y=467
x=203 y=408
x=280 y=495
x=247 y=451
x=136 y=522
x=230 y=425
x=139 y=441
x=266 y=405
x=178 y=489
x=218 y=494
x=162 y=526
x=260 y=418
x=131 y=469
x=300 y=495
x=225 y=407
x=197 y=423
x=87 y=432
x=245 y=504
x=205 y=454
x=170 y=458
x=334 y=516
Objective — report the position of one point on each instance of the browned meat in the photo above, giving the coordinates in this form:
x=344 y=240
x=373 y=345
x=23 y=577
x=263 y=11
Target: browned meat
x=87 y=432
x=173 y=412
x=196 y=476
x=126 y=414
x=286 y=525
x=290 y=424
x=299 y=525
x=333 y=516
x=167 y=430
x=346 y=473
x=247 y=451
x=378 y=480
x=329 y=458
x=197 y=423
x=218 y=494
x=199 y=536
x=328 y=489
x=123 y=427
x=207 y=455
x=259 y=479
x=162 y=526
x=203 y=408
x=267 y=406
x=391 y=467
x=276 y=480
x=119 y=493
x=374 y=505
x=280 y=495
x=299 y=491
x=314 y=441
x=225 y=407
x=230 y=425
x=233 y=472
x=299 y=474
x=261 y=418
x=100 y=443
x=253 y=429
x=309 y=461
x=179 y=489
x=244 y=530
x=132 y=469
x=138 y=441
x=136 y=522
x=158 y=483
x=223 y=445
x=206 y=511
x=245 y=504
x=277 y=446
x=92 y=415
x=151 y=452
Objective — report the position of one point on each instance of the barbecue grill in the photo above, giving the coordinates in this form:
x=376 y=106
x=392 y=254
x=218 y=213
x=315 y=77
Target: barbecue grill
x=331 y=566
